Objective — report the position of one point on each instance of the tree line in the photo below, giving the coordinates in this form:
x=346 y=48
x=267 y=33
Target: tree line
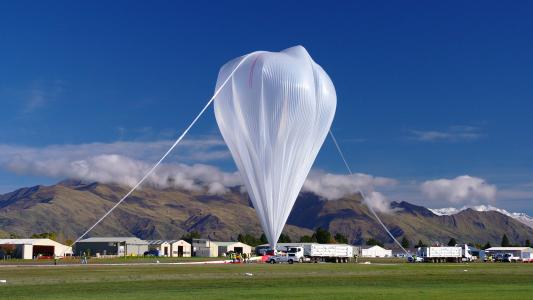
x=505 y=242
x=321 y=236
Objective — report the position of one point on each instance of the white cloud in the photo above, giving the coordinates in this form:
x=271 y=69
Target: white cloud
x=114 y=168
x=378 y=202
x=335 y=186
x=460 y=190
x=452 y=134
x=126 y=162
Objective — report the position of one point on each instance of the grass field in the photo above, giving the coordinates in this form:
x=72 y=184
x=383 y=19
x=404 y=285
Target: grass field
x=115 y=260
x=299 y=281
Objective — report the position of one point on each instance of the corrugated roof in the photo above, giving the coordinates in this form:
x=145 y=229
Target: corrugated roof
x=290 y=244
x=227 y=243
x=224 y=243
x=159 y=242
x=128 y=239
x=375 y=246
x=27 y=241
x=301 y=244
x=528 y=249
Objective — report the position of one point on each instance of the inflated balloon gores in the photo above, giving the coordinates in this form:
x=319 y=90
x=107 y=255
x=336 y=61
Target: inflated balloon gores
x=274 y=116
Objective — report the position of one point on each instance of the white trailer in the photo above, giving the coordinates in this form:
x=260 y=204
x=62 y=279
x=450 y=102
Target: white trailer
x=440 y=254
x=315 y=252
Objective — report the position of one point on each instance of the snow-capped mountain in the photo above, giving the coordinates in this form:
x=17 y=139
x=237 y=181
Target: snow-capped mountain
x=522 y=217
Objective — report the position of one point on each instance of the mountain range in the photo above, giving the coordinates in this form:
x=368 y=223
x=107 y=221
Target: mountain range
x=522 y=217
x=70 y=207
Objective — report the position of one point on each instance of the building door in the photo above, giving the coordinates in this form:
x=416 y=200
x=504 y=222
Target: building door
x=180 y=251
x=165 y=250
x=46 y=251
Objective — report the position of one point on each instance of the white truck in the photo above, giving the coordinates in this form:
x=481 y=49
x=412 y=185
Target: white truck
x=440 y=254
x=467 y=253
x=313 y=252
x=292 y=255
x=506 y=257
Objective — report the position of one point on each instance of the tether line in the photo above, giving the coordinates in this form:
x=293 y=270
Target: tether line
x=363 y=194
x=151 y=170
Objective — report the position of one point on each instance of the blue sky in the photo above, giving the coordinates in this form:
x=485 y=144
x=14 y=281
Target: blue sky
x=426 y=91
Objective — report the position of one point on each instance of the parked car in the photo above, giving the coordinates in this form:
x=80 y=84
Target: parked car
x=414 y=259
x=153 y=252
x=270 y=252
x=506 y=257
x=287 y=258
x=264 y=251
x=509 y=257
x=498 y=257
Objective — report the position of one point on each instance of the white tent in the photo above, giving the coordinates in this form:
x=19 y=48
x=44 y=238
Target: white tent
x=376 y=251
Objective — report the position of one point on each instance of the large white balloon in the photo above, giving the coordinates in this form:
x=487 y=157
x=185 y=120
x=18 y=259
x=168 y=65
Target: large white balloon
x=274 y=115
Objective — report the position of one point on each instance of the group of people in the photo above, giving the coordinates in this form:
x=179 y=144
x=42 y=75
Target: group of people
x=238 y=257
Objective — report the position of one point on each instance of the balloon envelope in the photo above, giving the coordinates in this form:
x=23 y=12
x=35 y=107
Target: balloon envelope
x=274 y=115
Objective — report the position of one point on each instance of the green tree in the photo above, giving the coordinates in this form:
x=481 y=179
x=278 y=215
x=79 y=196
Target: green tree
x=45 y=235
x=487 y=246
x=307 y=239
x=190 y=236
x=322 y=236
x=527 y=243
x=452 y=242
x=505 y=241
x=340 y=238
x=405 y=242
x=263 y=239
x=420 y=244
x=373 y=242
x=284 y=238
x=249 y=239
x=240 y=238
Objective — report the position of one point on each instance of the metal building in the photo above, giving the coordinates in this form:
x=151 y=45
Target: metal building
x=171 y=248
x=236 y=247
x=522 y=253
x=204 y=248
x=112 y=246
x=33 y=248
x=207 y=248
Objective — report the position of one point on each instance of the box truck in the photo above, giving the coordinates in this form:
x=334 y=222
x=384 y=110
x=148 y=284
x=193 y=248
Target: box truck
x=312 y=252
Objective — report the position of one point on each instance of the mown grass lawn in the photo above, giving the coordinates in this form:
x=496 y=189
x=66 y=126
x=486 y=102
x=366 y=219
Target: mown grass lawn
x=114 y=260
x=312 y=281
